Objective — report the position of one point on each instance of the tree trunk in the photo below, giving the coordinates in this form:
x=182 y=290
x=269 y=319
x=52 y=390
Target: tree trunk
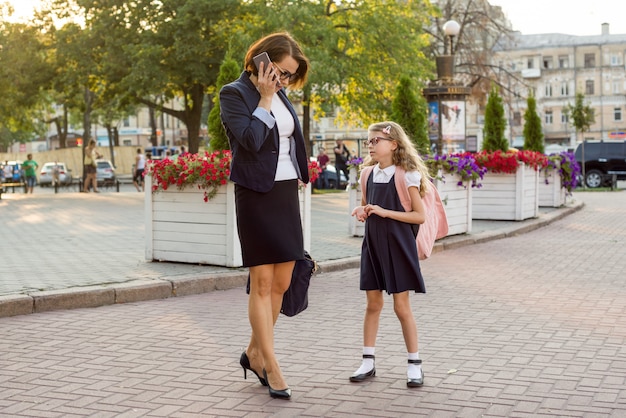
x=153 y=126
x=110 y=135
x=86 y=124
x=306 y=121
x=193 y=116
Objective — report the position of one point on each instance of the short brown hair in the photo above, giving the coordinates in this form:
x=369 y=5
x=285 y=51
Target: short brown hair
x=278 y=46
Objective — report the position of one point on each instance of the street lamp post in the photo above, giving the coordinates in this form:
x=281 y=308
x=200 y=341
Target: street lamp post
x=446 y=98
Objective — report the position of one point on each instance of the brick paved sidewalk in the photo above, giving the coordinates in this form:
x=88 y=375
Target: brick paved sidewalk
x=532 y=325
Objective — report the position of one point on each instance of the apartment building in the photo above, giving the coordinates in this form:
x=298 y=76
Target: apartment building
x=554 y=67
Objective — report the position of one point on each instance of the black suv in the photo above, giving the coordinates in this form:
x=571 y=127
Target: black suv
x=602 y=161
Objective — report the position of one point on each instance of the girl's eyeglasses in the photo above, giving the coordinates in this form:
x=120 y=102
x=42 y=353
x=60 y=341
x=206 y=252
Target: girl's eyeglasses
x=376 y=140
x=286 y=75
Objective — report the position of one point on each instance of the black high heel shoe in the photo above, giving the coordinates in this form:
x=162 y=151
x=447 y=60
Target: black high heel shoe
x=280 y=394
x=245 y=363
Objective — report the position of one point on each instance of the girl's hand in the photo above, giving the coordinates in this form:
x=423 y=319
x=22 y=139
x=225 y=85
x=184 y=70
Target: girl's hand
x=376 y=210
x=360 y=214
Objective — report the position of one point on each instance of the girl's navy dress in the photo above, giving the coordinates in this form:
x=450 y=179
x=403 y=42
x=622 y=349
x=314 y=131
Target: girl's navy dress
x=389 y=254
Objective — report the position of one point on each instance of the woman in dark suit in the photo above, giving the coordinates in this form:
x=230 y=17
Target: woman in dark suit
x=269 y=157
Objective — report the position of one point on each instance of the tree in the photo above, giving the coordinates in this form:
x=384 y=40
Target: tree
x=495 y=123
x=229 y=71
x=409 y=110
x=582 y=117
x=533 y=136
x=25 y=76
x=159 y=49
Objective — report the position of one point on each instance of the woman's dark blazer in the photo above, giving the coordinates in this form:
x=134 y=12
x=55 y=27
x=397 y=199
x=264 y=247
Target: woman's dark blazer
x=254 y=146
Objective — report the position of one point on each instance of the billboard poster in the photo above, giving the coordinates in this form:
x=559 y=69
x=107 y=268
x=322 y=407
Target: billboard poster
x=433 y=120
x=453 y=120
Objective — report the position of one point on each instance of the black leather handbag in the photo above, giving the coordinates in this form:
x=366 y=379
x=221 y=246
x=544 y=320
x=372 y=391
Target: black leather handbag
x=296 y=299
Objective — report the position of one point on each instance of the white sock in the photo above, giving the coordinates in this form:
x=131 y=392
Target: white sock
x=368 y=363
x=414 y=371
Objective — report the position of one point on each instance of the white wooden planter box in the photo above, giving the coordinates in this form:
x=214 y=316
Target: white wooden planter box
x=457 y=201
x=355 y=228
x=510 y=197
x=182 y=227
x=551 y=194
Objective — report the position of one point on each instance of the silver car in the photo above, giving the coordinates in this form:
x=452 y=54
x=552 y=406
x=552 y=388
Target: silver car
x=53 y=170
x=105 y=172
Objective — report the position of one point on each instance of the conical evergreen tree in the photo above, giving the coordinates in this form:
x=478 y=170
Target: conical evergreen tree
x=495 y=123
x=533 y=135
x=229 y=71
x=410 y=111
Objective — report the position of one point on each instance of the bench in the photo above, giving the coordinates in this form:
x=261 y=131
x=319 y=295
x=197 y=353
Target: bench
x=4 y=187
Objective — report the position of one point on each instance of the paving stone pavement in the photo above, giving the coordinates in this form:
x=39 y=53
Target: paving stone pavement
x=531 y=325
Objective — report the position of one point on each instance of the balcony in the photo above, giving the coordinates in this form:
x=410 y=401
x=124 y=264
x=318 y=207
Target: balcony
x=531 y=73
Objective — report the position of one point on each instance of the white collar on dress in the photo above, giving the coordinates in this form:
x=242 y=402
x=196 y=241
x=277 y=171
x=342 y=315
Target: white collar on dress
x=388 y=172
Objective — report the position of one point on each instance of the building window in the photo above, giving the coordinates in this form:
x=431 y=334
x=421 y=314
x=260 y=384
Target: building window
x=529 y=63
x=548 y=117
x=547 y=62
x=590 y=60
x=617 y=114
x=616 y=87
x=548 y=90
x=517 y=119
x=563 y=61
x=564 y=116
x=126 y=122
x=616 y=60
x=589 y=87
x=565 y=88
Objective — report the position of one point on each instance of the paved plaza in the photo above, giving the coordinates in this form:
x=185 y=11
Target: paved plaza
x=533 y=324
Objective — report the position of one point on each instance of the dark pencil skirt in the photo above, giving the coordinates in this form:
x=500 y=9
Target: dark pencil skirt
x=269 y=224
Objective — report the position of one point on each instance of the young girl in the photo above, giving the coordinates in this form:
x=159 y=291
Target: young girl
x=389 y=258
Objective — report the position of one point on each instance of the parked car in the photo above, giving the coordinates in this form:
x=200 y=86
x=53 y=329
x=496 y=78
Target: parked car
x=602 y=160
x=47 y=172
x=331 y=174
x=105 y=173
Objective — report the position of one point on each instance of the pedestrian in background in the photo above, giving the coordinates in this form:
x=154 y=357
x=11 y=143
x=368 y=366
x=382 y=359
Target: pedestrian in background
x=322 y=161
x=91 y=155
x=389 y=260
x=140 y=166
x=269 y=156
x=342 y=155
x=30 y=172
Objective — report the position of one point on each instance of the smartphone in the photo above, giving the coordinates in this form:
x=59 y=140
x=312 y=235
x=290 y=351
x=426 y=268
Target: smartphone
x=262 y=57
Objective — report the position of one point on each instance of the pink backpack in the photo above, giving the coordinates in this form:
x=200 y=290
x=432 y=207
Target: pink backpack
x=436 y=224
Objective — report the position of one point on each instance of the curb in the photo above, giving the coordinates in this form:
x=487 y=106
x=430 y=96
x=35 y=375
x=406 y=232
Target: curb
x=142 y=290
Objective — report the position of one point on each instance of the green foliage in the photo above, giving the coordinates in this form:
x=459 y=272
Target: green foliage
x=410 y=111
x=533 y=136
x=229 y=71
x=495 y=123
x=581 y=115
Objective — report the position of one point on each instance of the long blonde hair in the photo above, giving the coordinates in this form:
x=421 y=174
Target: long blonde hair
x=405 y=155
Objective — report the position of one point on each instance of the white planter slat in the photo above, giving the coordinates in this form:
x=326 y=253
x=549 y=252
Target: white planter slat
x=355 y=228
x=182 y=227
x=457 y=202
x=512 y=197
x=551 y=194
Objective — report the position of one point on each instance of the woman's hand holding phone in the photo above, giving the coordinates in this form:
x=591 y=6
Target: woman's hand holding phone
x=268 y=80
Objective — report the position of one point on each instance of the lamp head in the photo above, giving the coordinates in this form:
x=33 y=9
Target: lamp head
x=451 y=28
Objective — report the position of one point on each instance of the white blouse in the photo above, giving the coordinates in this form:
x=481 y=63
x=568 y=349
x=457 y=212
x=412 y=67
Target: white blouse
x=286 y=125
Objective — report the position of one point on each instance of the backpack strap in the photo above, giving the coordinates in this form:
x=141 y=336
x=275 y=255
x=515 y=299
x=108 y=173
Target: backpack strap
x=365 y=173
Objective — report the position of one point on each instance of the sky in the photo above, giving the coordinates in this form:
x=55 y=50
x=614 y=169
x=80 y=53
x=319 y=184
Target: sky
x=572 y=17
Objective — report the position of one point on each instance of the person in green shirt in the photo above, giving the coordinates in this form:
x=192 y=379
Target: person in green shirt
x=30 y=172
